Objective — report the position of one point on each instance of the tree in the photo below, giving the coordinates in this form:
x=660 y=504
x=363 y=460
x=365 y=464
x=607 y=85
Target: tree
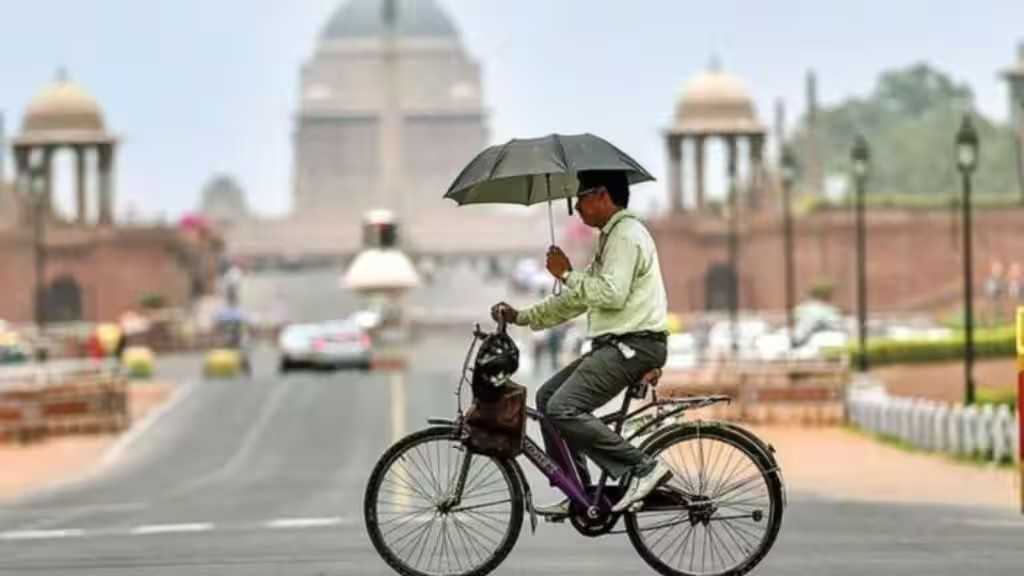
x=910 y=120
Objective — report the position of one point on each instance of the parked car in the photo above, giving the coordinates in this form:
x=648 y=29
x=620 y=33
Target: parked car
x=338 y=344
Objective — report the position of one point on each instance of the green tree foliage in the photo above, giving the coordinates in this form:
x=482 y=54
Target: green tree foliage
x=910 y=120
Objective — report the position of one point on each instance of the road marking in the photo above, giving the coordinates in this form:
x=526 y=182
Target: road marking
x=993 y=523
x=304 y=522
x=249 y=442
x=397 y=389
x=140 y=428
x=40 y=534
x=171 y=528
x=113 y=453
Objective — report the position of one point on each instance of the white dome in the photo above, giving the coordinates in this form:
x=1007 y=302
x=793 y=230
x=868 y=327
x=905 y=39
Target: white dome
x=377 y=270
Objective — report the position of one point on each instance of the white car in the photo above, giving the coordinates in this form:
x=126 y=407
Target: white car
x=342 y=344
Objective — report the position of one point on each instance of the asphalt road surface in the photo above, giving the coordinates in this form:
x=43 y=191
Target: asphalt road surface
x=266 y=476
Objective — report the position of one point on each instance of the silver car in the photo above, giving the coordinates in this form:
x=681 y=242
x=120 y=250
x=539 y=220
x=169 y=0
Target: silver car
x=342 y=344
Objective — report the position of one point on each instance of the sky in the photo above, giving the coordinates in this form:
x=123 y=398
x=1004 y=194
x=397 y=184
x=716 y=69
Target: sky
x=198 y=87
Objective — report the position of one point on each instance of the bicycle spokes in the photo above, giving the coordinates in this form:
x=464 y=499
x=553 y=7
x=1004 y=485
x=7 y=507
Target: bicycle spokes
x=440 y=510
x=711 y=517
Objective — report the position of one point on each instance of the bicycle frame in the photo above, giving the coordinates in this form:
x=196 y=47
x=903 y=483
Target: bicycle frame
x=559 y=467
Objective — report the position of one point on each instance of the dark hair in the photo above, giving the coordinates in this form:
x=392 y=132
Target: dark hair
x=614 y=180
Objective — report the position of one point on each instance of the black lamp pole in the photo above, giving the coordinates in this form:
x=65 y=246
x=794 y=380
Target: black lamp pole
x=861 y=156
x=734 y=260
x=967 y=161
x=789 y=168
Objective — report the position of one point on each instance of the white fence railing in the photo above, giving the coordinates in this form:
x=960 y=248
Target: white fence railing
x=986 y=432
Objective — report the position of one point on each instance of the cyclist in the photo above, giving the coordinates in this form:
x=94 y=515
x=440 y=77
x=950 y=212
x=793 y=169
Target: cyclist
x=623 y=295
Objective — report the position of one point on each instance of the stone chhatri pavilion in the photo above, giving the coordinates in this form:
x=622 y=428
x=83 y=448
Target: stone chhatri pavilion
x=92 y=268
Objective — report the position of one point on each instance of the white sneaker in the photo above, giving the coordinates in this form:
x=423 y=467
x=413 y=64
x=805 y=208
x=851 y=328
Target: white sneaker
x=640 y=487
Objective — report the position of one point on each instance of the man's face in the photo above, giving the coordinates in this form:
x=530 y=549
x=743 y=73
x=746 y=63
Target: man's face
x=590 y=205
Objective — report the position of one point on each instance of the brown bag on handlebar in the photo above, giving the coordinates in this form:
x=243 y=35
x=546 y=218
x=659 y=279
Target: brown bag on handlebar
x=497 y=426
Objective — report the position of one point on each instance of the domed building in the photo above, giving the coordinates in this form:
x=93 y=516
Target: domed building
x=223 y=201
x=713 y=105
x=64 y=116
x=85 y=267
x=391 y=109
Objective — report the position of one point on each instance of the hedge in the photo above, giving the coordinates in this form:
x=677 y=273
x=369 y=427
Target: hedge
x=988 y=343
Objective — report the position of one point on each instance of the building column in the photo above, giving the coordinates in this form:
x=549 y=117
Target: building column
x=106 y=169
x=23 y=181
x=80 y=152
x=698 y=147
x=48 y=179
x=675 y=174
x=757 y=177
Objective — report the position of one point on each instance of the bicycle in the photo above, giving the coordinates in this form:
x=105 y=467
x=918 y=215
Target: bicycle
x=433 y=506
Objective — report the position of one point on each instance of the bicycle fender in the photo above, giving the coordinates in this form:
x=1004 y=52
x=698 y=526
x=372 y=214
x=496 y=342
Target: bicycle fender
x=527 y=495
x=520 y=476
x=767 y=451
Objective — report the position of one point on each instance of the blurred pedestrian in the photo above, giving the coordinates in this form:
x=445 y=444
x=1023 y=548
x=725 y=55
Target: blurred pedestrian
x=995 y=290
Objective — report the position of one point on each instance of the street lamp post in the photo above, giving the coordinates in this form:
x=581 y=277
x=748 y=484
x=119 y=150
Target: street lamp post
x=734 y=260
x=861 y=157
x=788 y=169
x=966 y=162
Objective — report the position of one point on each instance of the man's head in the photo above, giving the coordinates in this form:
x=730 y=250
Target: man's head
x=601 y=194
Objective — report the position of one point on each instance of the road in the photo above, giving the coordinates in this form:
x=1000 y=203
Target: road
x=266 y=476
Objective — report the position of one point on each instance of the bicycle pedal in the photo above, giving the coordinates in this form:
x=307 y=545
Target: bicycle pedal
x=554 y=519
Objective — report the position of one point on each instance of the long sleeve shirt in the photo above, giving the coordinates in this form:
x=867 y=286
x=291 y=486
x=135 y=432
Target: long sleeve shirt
x=621 y=290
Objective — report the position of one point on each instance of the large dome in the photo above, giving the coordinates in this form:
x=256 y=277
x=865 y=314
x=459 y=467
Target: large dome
x=714 y=102
x=366 y=18
x=65 y=107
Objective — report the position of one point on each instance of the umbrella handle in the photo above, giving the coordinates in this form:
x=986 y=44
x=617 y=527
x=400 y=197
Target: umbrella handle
x=556 y=286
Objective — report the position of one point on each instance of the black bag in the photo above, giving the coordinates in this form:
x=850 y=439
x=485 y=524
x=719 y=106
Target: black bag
x=497 y=426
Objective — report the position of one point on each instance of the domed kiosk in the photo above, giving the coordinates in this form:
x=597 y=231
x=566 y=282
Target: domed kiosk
x=713 y=104
x=64 y=115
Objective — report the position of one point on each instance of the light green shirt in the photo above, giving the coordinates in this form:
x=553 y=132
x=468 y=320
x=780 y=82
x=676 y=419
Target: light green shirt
x=621 y=289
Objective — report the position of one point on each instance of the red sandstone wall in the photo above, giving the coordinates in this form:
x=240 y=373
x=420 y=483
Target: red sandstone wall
x=112 y=268
x=914 y=259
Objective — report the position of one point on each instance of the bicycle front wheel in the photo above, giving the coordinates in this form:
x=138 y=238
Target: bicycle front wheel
x=718 y=515
x=414 y=520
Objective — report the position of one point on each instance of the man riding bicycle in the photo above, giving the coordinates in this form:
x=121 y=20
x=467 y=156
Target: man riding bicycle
x=623 y=295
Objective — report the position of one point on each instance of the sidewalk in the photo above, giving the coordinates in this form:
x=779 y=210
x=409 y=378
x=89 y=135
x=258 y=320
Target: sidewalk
x=836 y=463
x=32 y=466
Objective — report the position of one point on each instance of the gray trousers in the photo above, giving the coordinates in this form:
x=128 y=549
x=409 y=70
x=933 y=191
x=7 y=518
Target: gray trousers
x=568 y=398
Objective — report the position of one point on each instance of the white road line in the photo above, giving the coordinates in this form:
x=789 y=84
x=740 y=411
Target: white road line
x=248 y=444
x=397 y=389
x=113 y=453
x=140 y=428
x=992 y=523
x=304 y=522
x=171 y=528
x=40 y=534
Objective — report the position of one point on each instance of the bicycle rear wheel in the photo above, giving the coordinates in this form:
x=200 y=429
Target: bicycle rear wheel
x=718 y=515
x=415 y=526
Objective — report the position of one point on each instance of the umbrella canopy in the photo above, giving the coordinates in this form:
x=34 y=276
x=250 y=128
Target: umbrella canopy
x=533 y=170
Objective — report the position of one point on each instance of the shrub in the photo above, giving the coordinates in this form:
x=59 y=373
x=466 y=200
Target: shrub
x=152 y=301
x=988 y=343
